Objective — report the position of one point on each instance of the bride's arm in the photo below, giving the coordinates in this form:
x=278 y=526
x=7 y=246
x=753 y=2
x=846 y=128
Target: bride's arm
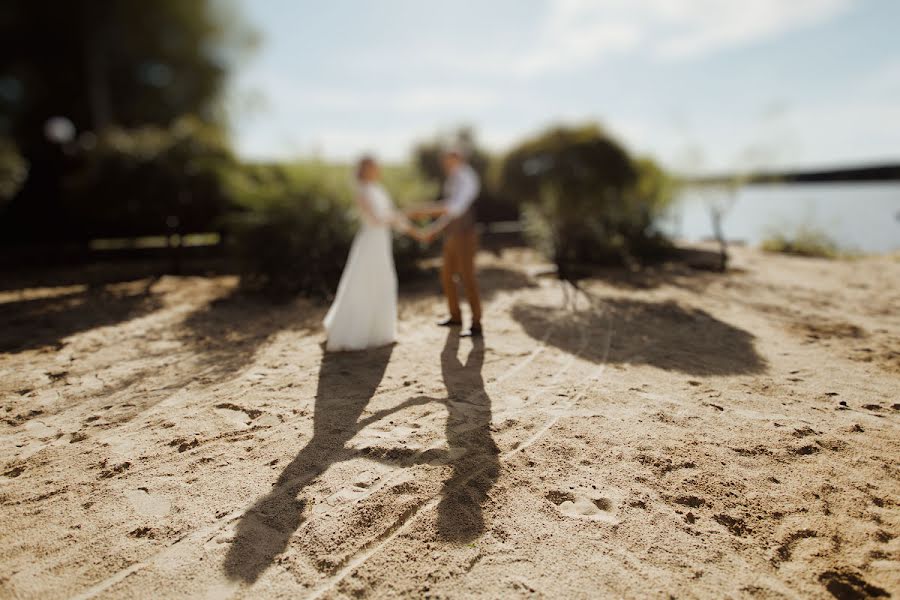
x=400 y=223
x=396 y=220
x=365 y=208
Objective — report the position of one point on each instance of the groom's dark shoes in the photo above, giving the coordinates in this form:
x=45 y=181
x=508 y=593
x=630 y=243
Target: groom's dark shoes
x=450 y=322
x=473 y=331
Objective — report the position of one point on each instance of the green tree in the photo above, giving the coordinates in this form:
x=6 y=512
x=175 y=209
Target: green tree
x=427 y=154
x=13 y=170
x=102 y=64
x=151 y=180
x=586 y=199
x=298 y=222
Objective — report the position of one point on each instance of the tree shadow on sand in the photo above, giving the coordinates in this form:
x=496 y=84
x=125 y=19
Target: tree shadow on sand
x=40 y=322
x=347 y=382
x=666 y=335
x=228 y=332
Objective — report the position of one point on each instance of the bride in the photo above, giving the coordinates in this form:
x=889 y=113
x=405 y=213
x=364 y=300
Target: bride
x=364 y=311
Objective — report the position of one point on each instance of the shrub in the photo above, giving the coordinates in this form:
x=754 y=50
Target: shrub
x=13 y=170
x=803 y=241
x=297 y=223
x=407 y=186
x=586 y=199
x=150 y=181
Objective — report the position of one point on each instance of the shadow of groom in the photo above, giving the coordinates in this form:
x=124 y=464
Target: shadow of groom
x=474 y=456
x=471 y=454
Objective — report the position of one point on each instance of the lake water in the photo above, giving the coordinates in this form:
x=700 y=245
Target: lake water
x=858 y=216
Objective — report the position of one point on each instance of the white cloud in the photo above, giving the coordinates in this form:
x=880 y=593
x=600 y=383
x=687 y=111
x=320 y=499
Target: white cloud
x=431 y=98
x=582 y=32
x=285 y=93
x=693 y=27
x=328 y=142
x=571 y=44
x=497 y=85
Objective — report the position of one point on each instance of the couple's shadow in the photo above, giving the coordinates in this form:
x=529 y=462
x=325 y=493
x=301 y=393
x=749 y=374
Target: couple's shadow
x=347 y=382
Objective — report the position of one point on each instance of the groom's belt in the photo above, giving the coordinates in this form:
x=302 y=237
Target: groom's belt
x=464 y=223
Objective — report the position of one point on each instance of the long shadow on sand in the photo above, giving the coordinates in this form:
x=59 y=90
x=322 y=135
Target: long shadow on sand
x=473 y=456
x=228 y=332
x=347 y=382
x=665 y=334
x=35 y=323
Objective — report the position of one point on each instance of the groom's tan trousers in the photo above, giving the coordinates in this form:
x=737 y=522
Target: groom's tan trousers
x=460 y=248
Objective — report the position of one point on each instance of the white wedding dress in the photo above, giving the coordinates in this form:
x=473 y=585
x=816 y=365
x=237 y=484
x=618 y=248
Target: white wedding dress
x=364 y=311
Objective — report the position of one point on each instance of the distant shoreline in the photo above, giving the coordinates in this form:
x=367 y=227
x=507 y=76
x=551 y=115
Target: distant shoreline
x=884 y=172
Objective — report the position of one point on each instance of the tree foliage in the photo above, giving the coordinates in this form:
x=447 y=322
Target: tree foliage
x=99 y=66
x=150 y=180
x=13 y=170
x=586 y=198
x=113 y=62
x=298 y=222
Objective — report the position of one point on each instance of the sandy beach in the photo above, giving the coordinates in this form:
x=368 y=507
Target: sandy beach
x=666 y=433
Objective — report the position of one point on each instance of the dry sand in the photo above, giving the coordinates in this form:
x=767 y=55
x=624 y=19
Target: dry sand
x=674 y=433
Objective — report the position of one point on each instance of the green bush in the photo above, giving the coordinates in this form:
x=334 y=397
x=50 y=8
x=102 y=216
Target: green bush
x=802 y=241
x=406 y=186
x=13 y=170
x=297 y=223
x=586 y=199
x=150 y=181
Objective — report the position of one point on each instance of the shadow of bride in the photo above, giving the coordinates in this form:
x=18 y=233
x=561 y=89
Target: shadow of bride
x=347 y=381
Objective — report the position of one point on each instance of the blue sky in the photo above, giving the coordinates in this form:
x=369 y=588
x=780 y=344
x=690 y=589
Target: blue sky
x=702 y=85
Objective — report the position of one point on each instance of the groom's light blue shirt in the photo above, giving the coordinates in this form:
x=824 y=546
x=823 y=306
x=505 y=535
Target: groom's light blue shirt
x=460 y=191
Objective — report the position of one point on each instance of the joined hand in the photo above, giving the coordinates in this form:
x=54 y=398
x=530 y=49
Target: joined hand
x=423 y=235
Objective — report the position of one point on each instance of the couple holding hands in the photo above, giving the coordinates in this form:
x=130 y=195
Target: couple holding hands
x=364 y=312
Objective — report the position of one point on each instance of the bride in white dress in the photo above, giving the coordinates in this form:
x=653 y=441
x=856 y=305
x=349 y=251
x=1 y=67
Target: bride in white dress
x=364 y=311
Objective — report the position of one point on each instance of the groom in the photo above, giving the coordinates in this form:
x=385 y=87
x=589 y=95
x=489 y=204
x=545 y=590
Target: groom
x=456 y=220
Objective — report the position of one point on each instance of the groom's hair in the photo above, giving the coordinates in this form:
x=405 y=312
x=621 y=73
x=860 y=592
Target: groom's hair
x=366 y=161
x=455 y=152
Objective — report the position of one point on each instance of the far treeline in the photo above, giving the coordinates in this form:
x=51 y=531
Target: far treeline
x=114 y=124
x=885 y=172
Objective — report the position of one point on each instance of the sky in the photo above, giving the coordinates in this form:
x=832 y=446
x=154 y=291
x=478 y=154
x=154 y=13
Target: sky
x=700 y=85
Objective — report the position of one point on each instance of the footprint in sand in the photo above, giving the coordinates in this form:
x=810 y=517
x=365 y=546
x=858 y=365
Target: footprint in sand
x=236 y=414
x=39 y=430
x=580 y=505
x=40 y=436
x=146 y=504
x=389 y=435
